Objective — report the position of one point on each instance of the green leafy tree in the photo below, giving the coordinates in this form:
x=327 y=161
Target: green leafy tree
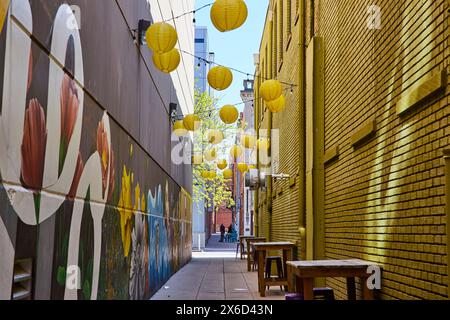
x=215 y=192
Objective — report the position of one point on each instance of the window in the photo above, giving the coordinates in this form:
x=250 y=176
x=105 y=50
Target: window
x=198 y=40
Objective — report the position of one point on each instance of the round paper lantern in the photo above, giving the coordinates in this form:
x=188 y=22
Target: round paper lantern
x=236 y=152
x=229 y=114
x=270 y=90
x=248 y=141
x=220 y=78
x=252 y=166
x=197 y=159
x=191 y=122
x=228 y=15
x=227 y=174
x=205 y=174
x=161 y=37
x=212 y=175
x=277 y=105
x=211 y=155
x=167 y=62
x=222 y=164
x=262 y=144
x=215 y=136
x=242 y=167
x=179 y=129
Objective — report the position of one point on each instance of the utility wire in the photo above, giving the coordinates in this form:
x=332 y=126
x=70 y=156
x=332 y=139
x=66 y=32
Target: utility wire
x=237 y=70
x=189 y=12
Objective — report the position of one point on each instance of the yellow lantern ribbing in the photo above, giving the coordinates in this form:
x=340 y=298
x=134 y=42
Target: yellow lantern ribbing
x=215 y=136
x=227 y=174
x=220 y=78
x=191 y=122
x=179 y=129
x=167 y=62
x=222 y=164
x=271 y=90
x=236 y=152
x=228 y=15
x=229 y=114
x=277 y=105
x=212 y=174
x=205 y=174
x=161 y=37
x=211 y=155
x=248 y=141
x=242 y=167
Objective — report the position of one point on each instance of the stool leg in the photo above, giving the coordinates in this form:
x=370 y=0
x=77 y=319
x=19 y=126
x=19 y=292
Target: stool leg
x=280 y=271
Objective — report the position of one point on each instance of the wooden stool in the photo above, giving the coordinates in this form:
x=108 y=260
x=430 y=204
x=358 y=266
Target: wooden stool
x=279 y=262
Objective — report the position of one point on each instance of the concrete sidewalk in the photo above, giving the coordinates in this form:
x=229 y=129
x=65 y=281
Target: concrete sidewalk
x=215 y=274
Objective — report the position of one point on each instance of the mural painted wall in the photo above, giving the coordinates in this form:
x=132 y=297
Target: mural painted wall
x=79 y=195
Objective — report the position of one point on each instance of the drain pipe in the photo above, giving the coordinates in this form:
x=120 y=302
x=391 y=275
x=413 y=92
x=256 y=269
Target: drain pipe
x=447 y=209
x=302 y=106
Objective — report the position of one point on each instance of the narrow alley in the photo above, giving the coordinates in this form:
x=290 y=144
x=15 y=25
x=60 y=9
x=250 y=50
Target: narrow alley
x=215 y=274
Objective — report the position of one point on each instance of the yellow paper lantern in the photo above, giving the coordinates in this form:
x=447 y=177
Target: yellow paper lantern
x=167 y=62
x=220 y=78
x=191 y=122
x=242 y=167
x=215 y=136
x=228 y=15
x=229 y=114
x=212 y=175
x=222 y=164
x=161 y=37
x=179 y=129
x=3 y=12
x=270 y=90
x=277 y=105
x=262 y=144
x=227 y=174
x=211 y=155
x=236 y=152
x=252 y=166
x=205 y=174
x=248 y=141
x=197 y=159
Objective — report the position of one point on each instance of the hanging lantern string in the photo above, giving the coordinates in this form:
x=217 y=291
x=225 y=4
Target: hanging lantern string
x=291 y=85
x=237 y=104
x=189 y=12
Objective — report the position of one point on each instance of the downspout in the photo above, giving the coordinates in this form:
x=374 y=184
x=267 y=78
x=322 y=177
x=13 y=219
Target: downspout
x=269 y=138
x=447 y=210
x=301 y=109
x=256 y=122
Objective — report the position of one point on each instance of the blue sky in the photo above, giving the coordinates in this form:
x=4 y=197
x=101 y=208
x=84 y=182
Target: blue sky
x=235 y=48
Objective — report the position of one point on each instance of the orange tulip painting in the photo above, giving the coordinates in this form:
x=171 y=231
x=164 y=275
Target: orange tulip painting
x=76 y=179
x=107 y=159
x=69 y=110
x=33 y=146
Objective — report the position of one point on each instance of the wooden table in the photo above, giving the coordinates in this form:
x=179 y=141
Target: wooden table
x=249 y=246
x=301 y=275
x=242 y=243
x=261 y=249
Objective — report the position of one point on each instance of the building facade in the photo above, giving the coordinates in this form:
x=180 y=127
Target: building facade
x=247 y=97
x=202 y=216
x=362 y=138
x=91 y=204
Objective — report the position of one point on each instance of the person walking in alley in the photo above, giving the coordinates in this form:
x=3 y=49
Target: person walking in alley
x=222 y=232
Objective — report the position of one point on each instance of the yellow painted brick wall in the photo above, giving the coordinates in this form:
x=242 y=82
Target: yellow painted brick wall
x=287 y=205
x=384 y=201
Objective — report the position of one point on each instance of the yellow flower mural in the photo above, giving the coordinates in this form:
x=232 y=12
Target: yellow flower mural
x=126 y=211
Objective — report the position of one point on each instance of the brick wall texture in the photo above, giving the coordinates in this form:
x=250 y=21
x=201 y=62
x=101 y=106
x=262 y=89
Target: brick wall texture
x=385 y=198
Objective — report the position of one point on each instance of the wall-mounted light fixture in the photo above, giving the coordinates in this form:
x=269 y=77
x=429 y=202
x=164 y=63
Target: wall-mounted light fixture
x=139 y=36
